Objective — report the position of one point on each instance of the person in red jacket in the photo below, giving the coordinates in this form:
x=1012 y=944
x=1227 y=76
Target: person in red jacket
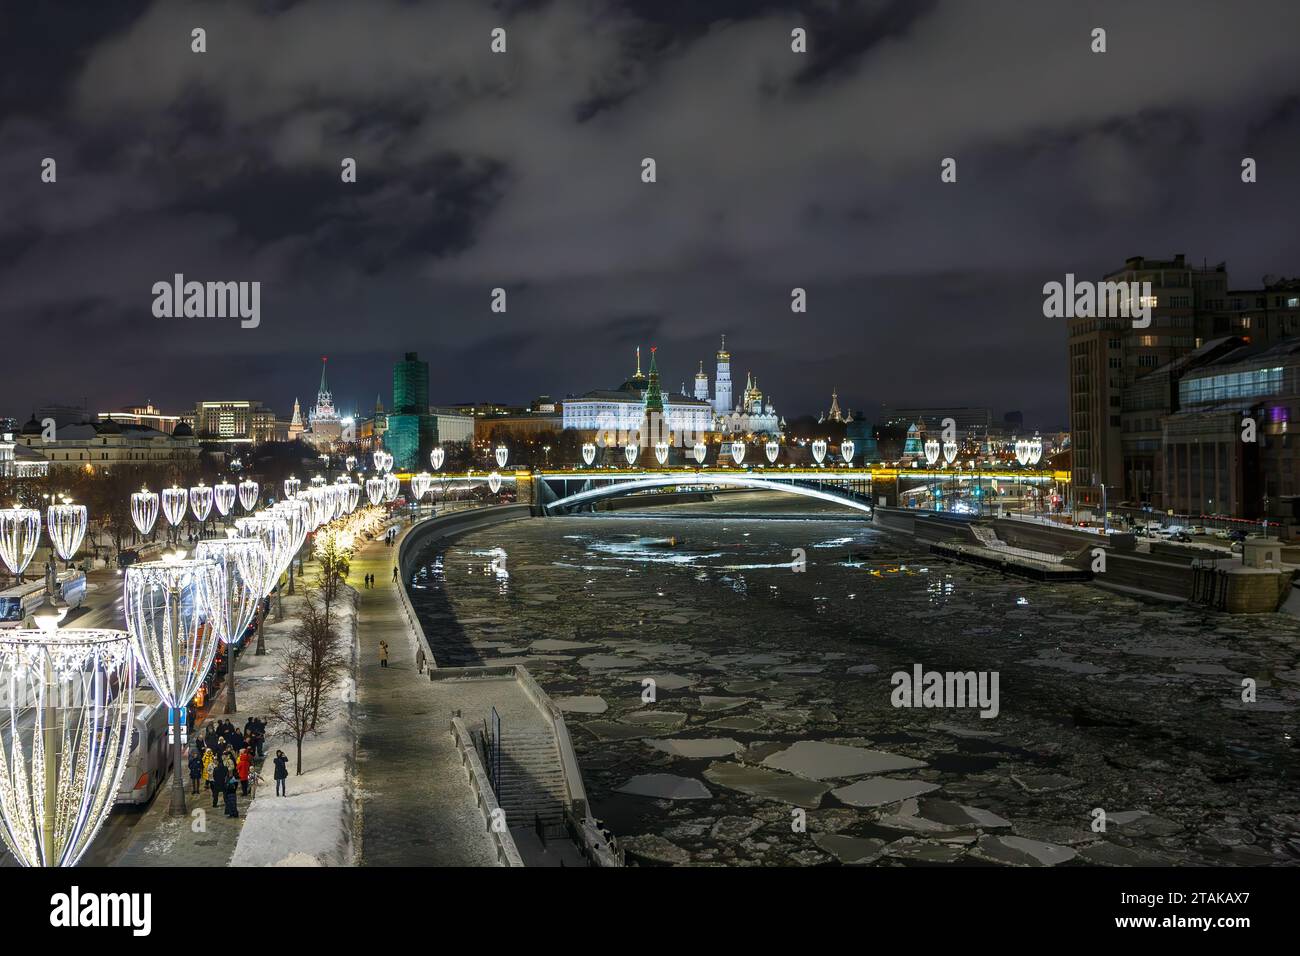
x=242 y=767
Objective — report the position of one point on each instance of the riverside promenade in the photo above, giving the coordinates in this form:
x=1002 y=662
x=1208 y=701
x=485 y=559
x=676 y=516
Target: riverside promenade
x=415 y=806
x=417 y=802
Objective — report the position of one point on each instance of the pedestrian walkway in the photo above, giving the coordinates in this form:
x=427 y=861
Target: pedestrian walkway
x=204 y=837
x=415 y=806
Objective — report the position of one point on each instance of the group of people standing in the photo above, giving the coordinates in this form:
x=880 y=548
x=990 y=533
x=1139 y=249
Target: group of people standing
x=225 y=765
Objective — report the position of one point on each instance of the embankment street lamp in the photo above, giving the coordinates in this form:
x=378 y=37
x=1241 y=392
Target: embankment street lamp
x=244 y=563
x=70 y=700
x=174 y=614
x=20 y=531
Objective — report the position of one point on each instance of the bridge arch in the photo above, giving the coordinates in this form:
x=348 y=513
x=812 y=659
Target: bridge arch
x=617 y=488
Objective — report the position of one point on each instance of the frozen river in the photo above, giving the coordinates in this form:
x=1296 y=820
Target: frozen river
x=773 y=737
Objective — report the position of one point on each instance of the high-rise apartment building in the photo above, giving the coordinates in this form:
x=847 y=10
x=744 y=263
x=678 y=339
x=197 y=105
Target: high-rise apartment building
x=1117 y=444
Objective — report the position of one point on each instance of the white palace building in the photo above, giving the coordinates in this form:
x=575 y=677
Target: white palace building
x=625 y=407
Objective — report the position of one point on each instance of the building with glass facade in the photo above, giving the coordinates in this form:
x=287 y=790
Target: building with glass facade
x=412 y=431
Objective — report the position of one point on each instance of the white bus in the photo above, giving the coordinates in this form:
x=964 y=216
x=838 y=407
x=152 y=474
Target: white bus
x=150 y=758
x=19 y=601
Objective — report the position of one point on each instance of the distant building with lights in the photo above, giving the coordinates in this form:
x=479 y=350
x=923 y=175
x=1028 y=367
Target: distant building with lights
x=625 y=408
x=95 y=445
x=19 y=461
x=749 y=416
x=146 y=415
x=234 y=422
x=324 y=425
x=454 y=425
x=411 y=432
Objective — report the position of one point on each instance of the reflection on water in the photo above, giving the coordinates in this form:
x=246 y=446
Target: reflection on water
x=1106 y=702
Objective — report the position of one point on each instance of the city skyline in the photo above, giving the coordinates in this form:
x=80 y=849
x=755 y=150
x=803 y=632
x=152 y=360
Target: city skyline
x=828 y=182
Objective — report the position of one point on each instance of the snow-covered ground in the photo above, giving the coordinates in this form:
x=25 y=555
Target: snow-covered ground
x=312 y=825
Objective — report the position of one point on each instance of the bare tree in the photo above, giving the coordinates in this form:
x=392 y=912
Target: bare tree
x=319 y=642
x=291 y=705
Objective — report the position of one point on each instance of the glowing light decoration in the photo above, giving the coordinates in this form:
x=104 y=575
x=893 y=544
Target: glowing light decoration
x=173 y=613
x=771 y=450
x=661 y=452
x=248 y=494
x=175 y=501
x=847 y=448
x=297 y=514
x=340 y=498
x=420 y=485
x=819 y=450
x=272 y=529
x=70 y=698
x=201 y=501
x=494 y=482
x=321 y=510
x=949 y=451
x=437 y=457
x=391 y=486
x=354 y=496
x=223 y=496
x=66 y=527
x=588 y=452
x=502 y=455
x=244 y=567
x=630 y=451
x=1035 y=450
x=291 y=486
x=350 y=462
x=700 y=451
x=383 y=460
x=931 y=451
x=20 y=531
x=737 y=451
x=144 y=510
x=318 y=481
x=375 y=490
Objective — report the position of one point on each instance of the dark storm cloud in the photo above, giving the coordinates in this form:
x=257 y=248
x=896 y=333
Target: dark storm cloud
x=478 y=171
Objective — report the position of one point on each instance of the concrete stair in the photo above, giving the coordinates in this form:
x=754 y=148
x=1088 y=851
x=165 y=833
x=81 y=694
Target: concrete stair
x=532 y=778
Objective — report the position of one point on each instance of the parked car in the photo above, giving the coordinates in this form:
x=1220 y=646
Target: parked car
x=1222 y=534
x=1182 y=536
x=1196 y=529
x=1235 y=535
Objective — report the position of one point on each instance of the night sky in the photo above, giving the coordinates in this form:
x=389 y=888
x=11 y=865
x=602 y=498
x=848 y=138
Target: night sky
x=523 y=171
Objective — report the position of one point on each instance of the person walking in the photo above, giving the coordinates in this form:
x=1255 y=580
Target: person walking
x=281 y=774
x=383 y=653
x=394 y=572
x=196 y=770
x=419 y=658
x=242 y=766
